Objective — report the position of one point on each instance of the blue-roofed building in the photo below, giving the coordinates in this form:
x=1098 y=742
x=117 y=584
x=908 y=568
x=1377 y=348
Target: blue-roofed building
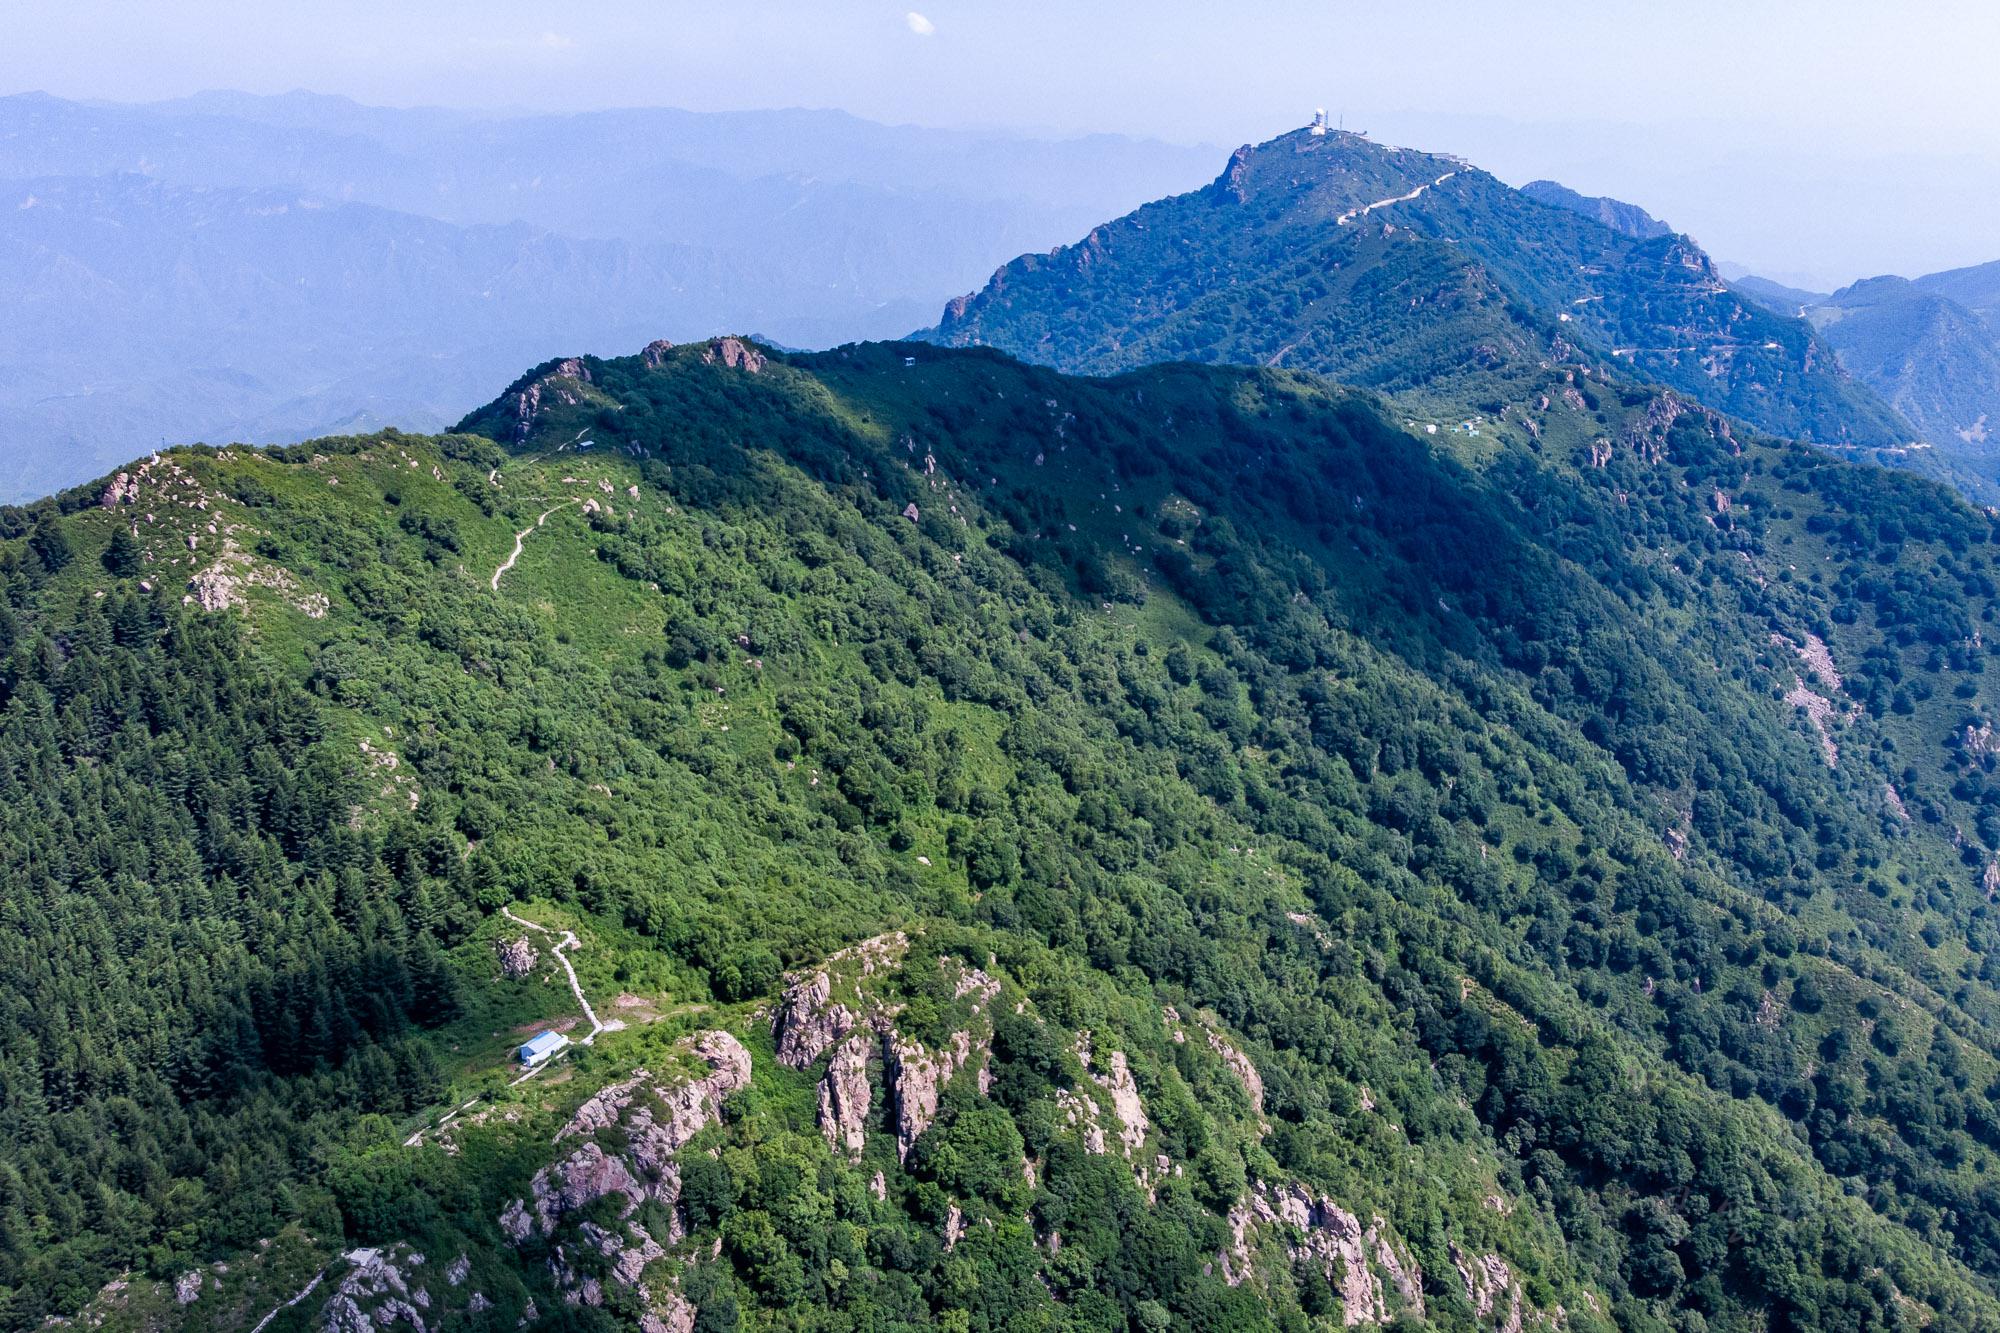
x=542 y=1047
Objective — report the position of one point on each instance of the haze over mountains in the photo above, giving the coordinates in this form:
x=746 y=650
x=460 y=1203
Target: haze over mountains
x=1080 y=822
x=234 y=267
x=1929 y=345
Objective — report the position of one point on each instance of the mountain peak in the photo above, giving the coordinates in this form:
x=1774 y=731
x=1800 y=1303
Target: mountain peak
x=1405 y=270
x=1616 y=214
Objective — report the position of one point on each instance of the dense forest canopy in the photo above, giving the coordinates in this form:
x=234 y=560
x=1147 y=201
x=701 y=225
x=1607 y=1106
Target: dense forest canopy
x=1287 y=870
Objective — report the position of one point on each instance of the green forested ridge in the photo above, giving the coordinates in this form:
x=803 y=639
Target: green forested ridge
x=1405 y=270
x=1471 y=790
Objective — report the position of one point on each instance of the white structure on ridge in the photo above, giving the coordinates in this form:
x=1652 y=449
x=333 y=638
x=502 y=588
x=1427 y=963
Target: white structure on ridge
x=1319 y=123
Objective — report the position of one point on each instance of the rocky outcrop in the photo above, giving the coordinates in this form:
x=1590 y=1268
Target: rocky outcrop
x=823 y=1005
x=654 y=354
x=1817 y=658
x=845 y=1096
x=916 y=1076
x=581 y=1179
x=673 y=1313
x=808 y=1021
x=1239 y=1065
x=556 y=386
x=1080 y=1113
x=379 y=1292
x=517 y=957
x=1321 y=1233
x=1116 y=1080
x=735 y=354
x=831 y=1008
x=657 y=1116
x=123 y=489
x=1490 y=1288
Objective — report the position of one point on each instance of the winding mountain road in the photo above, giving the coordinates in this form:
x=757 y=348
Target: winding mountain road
x=310 y=1287
x=508 y=564
x=568 y=941
x=1366 y=209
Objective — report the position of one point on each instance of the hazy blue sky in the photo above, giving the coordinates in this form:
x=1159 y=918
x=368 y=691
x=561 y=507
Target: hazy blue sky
x=1828 y=139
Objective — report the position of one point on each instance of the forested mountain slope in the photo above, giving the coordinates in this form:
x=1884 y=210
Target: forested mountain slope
x=1177 y=850
x=1935 y=360
x=1405 y=270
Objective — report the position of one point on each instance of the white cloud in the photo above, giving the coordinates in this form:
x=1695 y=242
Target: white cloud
x=920 y=25
x=555 y=41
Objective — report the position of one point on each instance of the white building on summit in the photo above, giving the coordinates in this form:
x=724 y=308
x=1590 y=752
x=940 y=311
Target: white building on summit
x=1319 y=123
x=542 y=1047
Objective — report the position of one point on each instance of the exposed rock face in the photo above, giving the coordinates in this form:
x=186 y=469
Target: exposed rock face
x=517 y=958
x=581 y=1179
x=1820 y=712
x=675 y=1314
x=526 y=404
x=1490 y=1287
x=1239 y=1065
x=1817 y=658
x=808 y=1022
x=1402 y=1270
x=845 y=1096
x=222 y=584
x=1081 y=1112
x=377 y=1293
x=658 y=1117
x=1117 y=1080
x=1326 y=1235
x=735 y=354
x=458 y=1270
x=187 y=1287
x=812 y=1017
x=122 y=490
x=830 y=1008
x=654 y=354
x=916 y=1076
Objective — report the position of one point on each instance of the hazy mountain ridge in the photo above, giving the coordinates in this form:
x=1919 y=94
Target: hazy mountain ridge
x=1616 y=214
x=1936 y=361
x=811 y=227
x=1929 y=346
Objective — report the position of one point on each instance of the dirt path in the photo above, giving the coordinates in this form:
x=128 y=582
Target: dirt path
x=1363 y=212
x=310 y=1287
x=519 y=538
x=568 y=941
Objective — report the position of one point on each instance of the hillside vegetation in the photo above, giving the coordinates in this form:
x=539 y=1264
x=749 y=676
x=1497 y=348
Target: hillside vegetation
x=1404 y=270
x=1178 y=850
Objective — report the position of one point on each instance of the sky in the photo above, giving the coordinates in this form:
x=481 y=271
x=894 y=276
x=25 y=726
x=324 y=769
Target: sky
x=1819 y=141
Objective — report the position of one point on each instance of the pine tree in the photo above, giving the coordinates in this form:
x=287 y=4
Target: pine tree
x=123 y=557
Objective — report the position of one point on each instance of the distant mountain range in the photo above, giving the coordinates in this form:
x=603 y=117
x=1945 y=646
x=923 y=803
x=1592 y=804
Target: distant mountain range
x=229 y=266
x=1930 y=346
